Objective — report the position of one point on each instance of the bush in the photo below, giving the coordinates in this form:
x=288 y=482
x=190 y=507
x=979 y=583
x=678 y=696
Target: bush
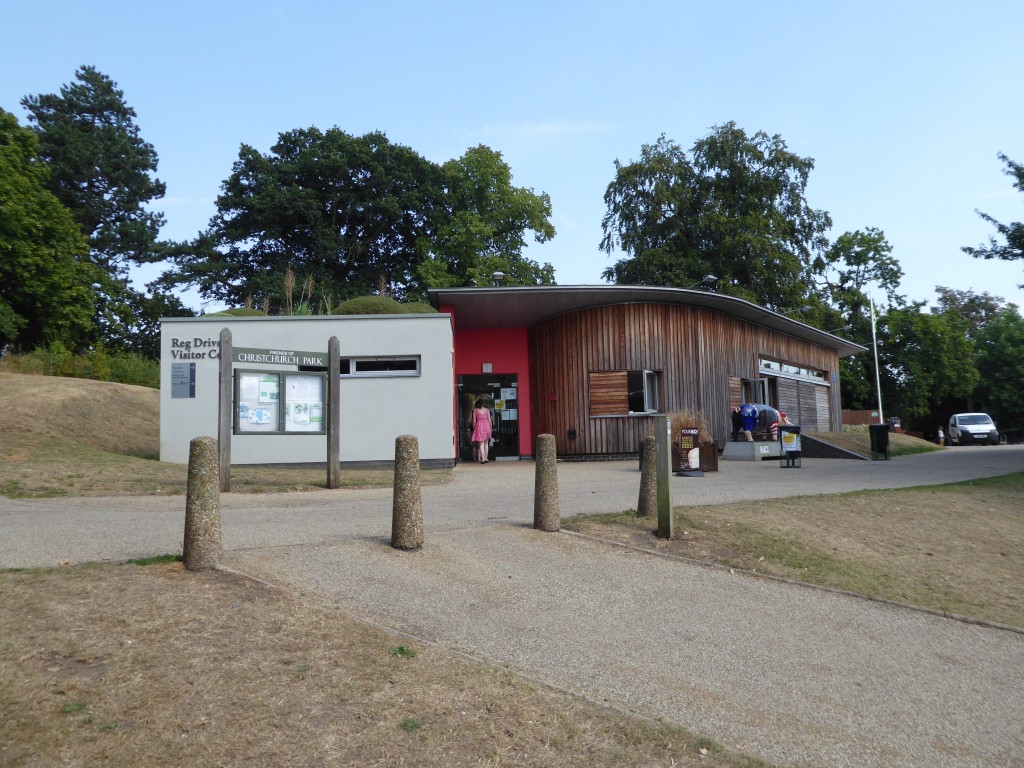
x=98 y=364
x=379 y=305
x=418 y=307
x=238 y=312
x=684 y=417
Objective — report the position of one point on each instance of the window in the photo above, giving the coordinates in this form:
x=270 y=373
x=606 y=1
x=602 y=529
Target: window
x=380 y=366
x=620 y=393
x=790 y=370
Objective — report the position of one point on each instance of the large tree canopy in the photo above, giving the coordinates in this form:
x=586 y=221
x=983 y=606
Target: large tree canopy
x=925 y=359
x=976 y=309
x=1013 y=234
x=100 y=168
x=46 y=279
x=853 y=262
x=999 y=356
x=734 y=207
x=482 y=224
x=354 y=215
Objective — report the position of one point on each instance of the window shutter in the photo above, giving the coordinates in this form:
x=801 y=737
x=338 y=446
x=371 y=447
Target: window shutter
x=609 y=395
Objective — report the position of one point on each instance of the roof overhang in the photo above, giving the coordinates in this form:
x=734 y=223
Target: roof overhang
x=524 y=306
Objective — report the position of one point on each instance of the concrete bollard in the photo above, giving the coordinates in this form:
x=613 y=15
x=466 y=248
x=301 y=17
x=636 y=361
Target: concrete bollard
x=407 y=508
x=647 y=504
x=201 y=549
x=546 y=515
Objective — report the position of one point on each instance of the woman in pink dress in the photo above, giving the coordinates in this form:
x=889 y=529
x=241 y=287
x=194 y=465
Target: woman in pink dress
x=482 y=429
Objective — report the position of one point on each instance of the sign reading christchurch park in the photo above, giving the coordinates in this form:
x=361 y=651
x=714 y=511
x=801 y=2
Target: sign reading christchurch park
x=278 y=357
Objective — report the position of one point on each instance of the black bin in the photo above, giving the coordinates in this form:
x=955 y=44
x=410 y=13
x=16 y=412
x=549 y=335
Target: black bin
x=879 y=441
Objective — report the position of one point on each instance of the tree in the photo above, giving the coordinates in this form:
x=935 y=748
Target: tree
x=360 y=215
x=348 y=211
x=734 y=208
x=100 y=168
x=46 y=279
x=924 y=359
x=999 y=358
x=482 y=224
x=977 y=309
x=853 y=262
x=1013 y=234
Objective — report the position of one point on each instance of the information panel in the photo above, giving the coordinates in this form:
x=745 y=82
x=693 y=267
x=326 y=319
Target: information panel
x=257 y=399
x=183 y=380
x=304 y=403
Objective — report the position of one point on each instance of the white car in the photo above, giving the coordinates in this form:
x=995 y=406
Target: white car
x=972 y=428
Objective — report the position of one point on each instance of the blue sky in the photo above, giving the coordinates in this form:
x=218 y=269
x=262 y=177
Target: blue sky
x=902 y=105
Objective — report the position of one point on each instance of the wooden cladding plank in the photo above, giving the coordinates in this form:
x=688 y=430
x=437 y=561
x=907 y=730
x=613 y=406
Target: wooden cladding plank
x=821 y=402
x=788 y=400
x=808 y=407
x=608 y=393
x=735 y=392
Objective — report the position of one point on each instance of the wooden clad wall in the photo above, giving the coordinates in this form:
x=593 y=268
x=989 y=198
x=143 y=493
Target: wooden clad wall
x=696 y=351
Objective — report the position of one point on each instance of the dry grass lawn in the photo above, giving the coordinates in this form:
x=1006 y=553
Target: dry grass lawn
x=122 y=665
x=955 y=548
x=129 y=665
x=76 y=437
x=133 y=666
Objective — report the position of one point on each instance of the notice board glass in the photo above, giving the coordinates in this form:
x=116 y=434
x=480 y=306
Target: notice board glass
x=260 y=407
x=304 y=403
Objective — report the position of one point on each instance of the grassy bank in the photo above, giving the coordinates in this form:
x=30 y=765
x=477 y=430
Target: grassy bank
x=948 y=547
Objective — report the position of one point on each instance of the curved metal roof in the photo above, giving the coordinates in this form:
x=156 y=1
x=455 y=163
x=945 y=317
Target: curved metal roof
x=523 y=306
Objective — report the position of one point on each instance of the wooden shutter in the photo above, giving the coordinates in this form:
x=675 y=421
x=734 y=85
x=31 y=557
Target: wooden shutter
x=609 y=395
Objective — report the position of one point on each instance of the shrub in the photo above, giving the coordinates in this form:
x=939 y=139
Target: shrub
x=238 y=312
x=684 y=417
x=98 y=364
x=368 y=305
x=418 y=307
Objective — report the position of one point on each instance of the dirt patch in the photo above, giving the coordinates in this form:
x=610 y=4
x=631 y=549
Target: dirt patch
x=951 y=548
x=125 y=665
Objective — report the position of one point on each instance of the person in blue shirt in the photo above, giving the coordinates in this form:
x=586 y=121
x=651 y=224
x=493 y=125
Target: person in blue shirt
x=748 y=416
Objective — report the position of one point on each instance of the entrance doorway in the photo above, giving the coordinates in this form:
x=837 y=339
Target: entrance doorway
x=499 y=391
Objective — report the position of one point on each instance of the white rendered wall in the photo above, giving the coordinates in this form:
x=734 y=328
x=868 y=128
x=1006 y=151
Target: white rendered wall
x=374 y=410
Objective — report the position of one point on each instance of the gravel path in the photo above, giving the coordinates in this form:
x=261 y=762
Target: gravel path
x=796 y=675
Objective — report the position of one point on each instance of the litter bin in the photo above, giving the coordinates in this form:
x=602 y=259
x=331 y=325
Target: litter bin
x=879 y=441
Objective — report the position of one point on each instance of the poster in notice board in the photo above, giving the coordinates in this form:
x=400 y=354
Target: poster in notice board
x=257 y=402
x=304 y=403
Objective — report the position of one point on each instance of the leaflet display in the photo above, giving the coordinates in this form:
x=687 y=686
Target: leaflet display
x=260 y=409
x=304 y=403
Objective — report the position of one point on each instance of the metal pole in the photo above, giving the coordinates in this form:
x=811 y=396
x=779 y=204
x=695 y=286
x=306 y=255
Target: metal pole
x=878 y=379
